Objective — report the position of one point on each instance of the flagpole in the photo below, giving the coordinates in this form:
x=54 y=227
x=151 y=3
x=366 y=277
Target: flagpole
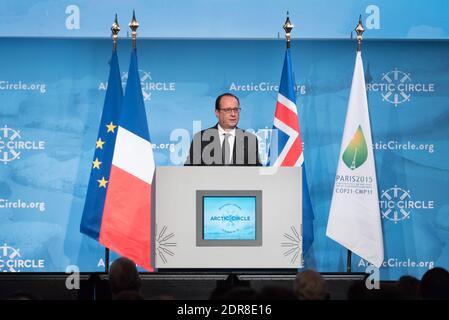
x=115 y=29
x=349 y=261
x=288 y=27
x=133 y=25
x=359 y=30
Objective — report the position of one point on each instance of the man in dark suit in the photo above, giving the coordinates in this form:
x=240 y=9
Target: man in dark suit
x=224 y=143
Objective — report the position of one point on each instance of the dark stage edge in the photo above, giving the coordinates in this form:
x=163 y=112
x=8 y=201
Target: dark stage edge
x=166 y=284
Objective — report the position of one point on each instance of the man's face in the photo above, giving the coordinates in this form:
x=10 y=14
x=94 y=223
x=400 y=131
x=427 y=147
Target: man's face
x=228 y=115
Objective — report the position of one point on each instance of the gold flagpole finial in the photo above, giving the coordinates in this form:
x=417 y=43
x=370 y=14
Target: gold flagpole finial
x=359 y=29
x=134 y=25
x=115 y=30
x=288 y=27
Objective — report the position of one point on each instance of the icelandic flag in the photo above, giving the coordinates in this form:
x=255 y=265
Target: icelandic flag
x=286 y=144
x=126 y=224
x=104 y=148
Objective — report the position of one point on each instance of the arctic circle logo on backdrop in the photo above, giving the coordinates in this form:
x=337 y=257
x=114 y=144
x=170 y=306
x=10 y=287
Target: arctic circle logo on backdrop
x=394 y=262
x=262 y=87
x=12 y=144
x=397 y=87
x=407 y=145
x=397 y=204
x=18 y=204
x=148 y=85
x=23 y=86
x=11 y=260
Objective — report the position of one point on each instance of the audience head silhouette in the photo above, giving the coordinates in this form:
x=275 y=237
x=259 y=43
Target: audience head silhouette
x=435 y=284
x=123 y=276
x=310 y=285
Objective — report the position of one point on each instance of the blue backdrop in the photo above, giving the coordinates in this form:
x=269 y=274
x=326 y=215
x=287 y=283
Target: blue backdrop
x=51 y=96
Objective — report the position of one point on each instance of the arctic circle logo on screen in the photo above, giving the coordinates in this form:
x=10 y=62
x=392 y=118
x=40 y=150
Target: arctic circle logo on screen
x=230 y=217
x=397 y=87
x=11 y=261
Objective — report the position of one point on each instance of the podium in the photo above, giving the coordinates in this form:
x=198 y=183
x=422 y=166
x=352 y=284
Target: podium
x=227 y=218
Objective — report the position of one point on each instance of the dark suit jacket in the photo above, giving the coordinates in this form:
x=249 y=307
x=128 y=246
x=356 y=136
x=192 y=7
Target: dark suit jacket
x=206 y=149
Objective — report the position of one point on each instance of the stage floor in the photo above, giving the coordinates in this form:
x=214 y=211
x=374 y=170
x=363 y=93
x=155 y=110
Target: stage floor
x=165 y=285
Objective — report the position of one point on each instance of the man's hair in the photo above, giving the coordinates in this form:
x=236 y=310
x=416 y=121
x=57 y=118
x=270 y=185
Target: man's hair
x=123 y=276
x=227 y=94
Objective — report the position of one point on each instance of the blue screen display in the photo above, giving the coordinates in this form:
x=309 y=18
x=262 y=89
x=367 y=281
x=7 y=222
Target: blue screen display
x=229 y=218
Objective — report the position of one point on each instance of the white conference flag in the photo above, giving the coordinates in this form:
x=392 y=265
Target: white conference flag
x=354 y=217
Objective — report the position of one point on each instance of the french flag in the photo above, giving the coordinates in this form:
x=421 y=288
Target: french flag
x=126 y=220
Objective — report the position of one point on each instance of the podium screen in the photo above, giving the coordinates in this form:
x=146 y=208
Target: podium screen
x=229 y=217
